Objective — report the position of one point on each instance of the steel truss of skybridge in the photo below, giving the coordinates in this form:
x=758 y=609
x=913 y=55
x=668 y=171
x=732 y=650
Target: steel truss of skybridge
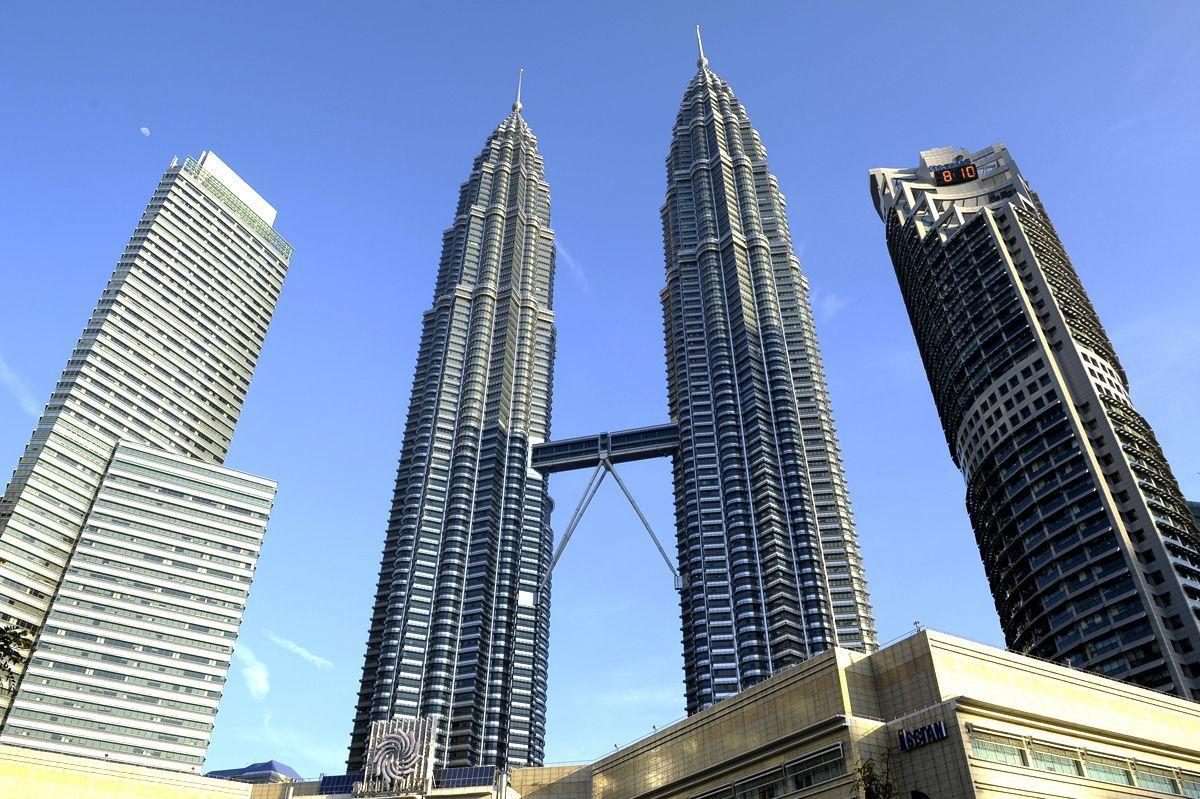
x=601 y=451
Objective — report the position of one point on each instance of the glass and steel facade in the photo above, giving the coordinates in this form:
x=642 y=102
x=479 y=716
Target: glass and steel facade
x=469 y=534
x=772 y=572
x=1092 y=555
x=126 y=547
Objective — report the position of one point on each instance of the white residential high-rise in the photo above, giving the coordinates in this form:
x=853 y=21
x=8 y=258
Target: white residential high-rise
x=126 y=547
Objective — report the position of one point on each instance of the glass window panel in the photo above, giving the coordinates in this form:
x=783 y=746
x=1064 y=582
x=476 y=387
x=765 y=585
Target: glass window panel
x=1060 y=761
x=1157 y=779
x=1108 y=770
x=998 y=748
x=818 y=768
x=768 y=786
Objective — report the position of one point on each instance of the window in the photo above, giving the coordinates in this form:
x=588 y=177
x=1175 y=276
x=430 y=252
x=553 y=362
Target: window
x=998 y=748
x=817 y=768
x=1060 y=761
x=1157 y=779
x=766 y=786
x=1107 y=769
x=797 y=775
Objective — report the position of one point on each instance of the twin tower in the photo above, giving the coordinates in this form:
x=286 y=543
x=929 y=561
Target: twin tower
x=769 y=566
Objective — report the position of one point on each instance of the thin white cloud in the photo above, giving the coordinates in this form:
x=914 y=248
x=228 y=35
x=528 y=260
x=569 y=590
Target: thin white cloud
x=832 y=305
x=643 y=698
x=19 y=391
x=296 y=649
x=254 y=672
x=288 y=743
x=145 y=131
x=827 y=305
x=575 y=269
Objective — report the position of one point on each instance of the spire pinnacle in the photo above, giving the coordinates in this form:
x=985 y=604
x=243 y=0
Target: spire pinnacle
x=701 y=62
x=517 y=103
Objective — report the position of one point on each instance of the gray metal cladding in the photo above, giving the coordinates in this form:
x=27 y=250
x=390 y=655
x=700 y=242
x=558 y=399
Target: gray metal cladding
x=469 y=527
x=767 y=546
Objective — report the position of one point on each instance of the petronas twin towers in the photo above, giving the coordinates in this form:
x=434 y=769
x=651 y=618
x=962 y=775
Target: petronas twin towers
x=767 y=554
x=772 y=571
x=470 y=523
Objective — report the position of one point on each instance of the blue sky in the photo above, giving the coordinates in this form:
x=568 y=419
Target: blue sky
x=358 y=122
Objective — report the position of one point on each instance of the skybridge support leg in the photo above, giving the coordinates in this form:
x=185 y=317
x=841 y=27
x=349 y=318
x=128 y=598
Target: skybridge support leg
x=603 y=468
x=589 y=491
x=670 y=566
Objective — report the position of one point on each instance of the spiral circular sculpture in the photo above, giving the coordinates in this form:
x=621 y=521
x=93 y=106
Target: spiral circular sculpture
x=396 y=756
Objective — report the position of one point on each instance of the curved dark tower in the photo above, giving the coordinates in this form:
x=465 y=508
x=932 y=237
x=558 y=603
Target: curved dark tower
x=470 y=522
x=767 y=549
x=1091 y=552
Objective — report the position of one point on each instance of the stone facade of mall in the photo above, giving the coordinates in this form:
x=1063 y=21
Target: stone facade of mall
x=947 y=718
x=1012 y=727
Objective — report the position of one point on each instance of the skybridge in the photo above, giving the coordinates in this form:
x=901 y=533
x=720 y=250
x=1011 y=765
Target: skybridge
x=601 y=452
x=638 y=444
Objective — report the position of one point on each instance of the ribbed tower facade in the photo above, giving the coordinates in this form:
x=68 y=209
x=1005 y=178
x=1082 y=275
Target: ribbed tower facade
x=469 y=533
x=126 y=547
x=1091 y=552
x=771 y=567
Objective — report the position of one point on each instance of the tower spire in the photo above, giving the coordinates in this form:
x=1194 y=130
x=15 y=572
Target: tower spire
x=701 y=62
x=517 y=103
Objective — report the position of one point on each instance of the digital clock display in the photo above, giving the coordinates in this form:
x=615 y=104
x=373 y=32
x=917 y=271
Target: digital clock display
x=960 y=172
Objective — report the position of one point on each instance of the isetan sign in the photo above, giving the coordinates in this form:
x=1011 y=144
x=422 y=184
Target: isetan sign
x=916 y=738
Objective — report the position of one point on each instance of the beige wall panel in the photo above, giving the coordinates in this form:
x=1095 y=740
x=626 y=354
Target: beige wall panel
x=33 y=774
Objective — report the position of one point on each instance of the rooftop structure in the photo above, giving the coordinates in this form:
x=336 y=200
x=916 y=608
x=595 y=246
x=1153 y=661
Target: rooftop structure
x=269 y=771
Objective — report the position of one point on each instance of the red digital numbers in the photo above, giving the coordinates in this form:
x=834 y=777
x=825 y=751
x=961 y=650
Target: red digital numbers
x=957 y=173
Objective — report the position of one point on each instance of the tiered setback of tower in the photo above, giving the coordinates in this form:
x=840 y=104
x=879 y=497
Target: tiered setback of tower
x=470 y=522
x=1089 y=546
x=127 y=549
x=772 y=572
x=767 y=546
x=125 y=546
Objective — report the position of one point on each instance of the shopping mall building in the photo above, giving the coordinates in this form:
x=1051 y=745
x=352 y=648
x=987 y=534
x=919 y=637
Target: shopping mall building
x=933 y=715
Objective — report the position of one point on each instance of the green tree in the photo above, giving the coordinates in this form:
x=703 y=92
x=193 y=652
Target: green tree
x=877 y=780
x=15 y=642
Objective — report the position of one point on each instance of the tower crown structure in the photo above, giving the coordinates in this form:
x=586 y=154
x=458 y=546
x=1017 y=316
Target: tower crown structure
x=767 y=549
x=469 y=530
